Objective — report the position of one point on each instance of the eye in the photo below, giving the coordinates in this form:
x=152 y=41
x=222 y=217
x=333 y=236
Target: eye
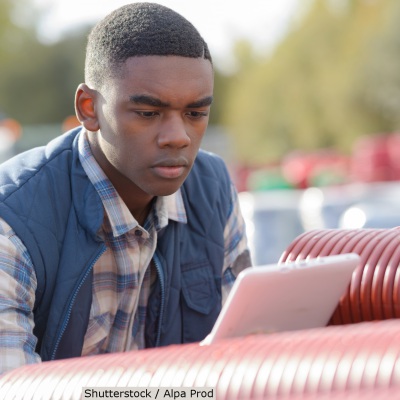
x=197 y=114
x=147 y=114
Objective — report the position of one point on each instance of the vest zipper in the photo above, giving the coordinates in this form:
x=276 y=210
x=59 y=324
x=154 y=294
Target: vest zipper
x=160 y=272
x=68 y=314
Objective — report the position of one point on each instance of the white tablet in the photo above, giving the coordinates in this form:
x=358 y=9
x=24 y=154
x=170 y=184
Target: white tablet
x=284 y=297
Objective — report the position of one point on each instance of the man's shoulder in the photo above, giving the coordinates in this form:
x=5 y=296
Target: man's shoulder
x=209 y=178
x=21 y=169
x=211 y=165
x=207 y=156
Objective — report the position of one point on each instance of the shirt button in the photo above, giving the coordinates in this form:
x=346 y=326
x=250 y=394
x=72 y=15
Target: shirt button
x=138 y=232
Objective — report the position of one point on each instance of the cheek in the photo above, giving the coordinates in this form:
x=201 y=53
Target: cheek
x=130 y=155
x=109 y=120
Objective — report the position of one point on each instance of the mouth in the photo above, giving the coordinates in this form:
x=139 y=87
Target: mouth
x=171 y=168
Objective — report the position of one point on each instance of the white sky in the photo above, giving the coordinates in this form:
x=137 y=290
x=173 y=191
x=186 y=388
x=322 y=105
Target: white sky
x=220 y=22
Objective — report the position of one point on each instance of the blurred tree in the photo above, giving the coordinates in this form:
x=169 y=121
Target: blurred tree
x=42 y=79
x=378 y=84
x=307 y=94
x=37 y=81
x=221 y=84
x=11 y=35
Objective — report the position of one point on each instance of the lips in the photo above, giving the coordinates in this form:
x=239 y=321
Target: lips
x=171 y=168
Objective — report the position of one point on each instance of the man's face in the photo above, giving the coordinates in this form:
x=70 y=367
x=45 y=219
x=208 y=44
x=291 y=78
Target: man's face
x=151 y=119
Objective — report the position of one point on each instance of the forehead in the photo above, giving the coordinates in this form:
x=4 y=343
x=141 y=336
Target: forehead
x=164 y=76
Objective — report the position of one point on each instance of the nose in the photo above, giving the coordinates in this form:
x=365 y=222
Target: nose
x=173 y=133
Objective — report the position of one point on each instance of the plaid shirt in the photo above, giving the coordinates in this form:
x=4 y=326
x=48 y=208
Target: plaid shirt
x=121 y=276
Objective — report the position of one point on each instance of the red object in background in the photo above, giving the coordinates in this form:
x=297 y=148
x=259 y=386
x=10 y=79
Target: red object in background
x=240 y=176
x=303 y=169
x=70 y=122
x=376 y=158
x=393 y=148
x=12 y=126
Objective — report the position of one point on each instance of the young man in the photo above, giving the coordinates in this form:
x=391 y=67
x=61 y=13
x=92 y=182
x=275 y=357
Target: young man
x=121 y=234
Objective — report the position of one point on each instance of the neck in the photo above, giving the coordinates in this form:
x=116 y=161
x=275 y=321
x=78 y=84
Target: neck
x=140 y=213
x=138 y=202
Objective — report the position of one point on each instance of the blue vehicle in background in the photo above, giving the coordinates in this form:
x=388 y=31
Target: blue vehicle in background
x=275 y=218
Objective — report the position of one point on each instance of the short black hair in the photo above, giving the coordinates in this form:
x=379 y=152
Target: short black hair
x=139 y=29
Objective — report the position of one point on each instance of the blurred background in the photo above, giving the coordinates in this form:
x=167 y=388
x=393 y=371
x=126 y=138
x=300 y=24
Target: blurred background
x=306 y=112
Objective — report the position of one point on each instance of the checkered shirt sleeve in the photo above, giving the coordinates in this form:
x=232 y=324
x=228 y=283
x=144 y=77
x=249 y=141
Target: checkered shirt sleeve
x=17 y=297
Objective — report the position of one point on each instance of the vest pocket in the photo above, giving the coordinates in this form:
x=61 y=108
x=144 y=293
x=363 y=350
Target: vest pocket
x=199 y=287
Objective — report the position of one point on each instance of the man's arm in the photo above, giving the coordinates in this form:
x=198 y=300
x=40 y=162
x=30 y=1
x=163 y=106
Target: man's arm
x=17 y=298
x=237 y=255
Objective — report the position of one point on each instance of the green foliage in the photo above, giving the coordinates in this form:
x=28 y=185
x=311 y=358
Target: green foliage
x=378 y=90
x=323 y=86
x=44 y=92
x=37 y=81
x=221 y=84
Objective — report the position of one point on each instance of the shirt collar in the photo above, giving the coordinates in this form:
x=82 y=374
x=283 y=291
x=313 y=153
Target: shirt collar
x=121 y=220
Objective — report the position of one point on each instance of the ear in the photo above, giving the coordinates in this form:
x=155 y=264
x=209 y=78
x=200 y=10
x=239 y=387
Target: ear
x=85 y=107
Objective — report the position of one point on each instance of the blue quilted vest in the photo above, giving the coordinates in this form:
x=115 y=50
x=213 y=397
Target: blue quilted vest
x=46 y=197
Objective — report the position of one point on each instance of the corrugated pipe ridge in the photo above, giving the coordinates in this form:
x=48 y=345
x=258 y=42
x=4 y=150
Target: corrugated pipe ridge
x=337 y=361
x=374 y=291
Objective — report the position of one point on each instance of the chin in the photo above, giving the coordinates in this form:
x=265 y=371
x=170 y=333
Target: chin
x=167 y=192
x=167 y=189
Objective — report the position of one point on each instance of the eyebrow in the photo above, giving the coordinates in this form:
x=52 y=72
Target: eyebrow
x=155 y=102
x=205 y=101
